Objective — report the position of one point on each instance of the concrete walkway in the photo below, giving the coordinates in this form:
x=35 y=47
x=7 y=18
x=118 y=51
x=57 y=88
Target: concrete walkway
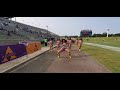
x=104 y=46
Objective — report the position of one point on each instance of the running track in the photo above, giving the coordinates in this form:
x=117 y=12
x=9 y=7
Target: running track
x=49 y=63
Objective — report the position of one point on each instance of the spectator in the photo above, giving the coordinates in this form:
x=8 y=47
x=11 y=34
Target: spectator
x=45 y=41
x=8 y=33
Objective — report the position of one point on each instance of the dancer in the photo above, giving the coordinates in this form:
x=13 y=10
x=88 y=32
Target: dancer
x=76 y=42
x=64 y=48
x=50 y=43
x=80 y=42
x=69 y=43
x=58 y=44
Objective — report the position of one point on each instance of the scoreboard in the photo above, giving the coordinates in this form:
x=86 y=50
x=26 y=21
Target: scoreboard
x=86 y=33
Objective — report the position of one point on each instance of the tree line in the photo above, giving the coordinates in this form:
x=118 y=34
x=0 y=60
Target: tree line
x=98 y=35
x=105 y=34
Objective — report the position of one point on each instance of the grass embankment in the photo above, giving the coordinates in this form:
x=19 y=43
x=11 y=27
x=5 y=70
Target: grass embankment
x=109 y=58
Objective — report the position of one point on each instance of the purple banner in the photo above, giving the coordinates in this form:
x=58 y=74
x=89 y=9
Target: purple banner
x=10 y=52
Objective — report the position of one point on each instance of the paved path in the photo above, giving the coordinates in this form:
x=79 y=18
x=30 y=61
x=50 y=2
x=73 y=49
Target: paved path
x=49 y=63
x=105 y=46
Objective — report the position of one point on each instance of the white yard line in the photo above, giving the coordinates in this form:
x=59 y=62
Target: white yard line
x=104 y=46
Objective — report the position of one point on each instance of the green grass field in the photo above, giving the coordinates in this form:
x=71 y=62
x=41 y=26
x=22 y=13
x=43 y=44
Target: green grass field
x=109 y=58
x=107 y=41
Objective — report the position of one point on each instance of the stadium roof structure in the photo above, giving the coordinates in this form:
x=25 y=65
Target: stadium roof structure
x=7 y=17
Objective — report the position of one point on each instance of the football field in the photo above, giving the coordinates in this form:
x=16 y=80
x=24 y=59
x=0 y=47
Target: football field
x=108 y=57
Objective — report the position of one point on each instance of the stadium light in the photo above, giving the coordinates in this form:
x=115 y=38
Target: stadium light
x=15 y=19
x=107 y=31
x=47 y=31
x=39 y=25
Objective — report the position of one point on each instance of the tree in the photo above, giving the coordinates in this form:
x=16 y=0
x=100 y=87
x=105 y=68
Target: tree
x=104 y=34
x=94 y=35
x=117 y=34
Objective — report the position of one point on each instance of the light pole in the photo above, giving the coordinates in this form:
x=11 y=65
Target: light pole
x=15 y=19
x=47 y=32
x=107 y=31
x=39 y=25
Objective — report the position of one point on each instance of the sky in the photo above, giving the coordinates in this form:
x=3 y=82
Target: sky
x=73 y=25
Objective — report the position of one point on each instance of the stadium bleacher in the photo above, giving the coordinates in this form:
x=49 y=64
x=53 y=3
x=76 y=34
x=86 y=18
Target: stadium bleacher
x=13 y=32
